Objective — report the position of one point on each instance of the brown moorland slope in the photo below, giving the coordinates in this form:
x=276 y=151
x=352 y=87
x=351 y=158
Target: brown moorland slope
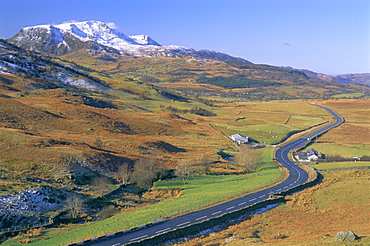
x=210 y=78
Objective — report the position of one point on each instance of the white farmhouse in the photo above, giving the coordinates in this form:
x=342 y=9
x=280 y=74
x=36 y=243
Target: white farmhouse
x=310 y=155
x=239 y=139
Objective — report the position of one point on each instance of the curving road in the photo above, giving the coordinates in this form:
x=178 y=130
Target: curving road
x=297 y=177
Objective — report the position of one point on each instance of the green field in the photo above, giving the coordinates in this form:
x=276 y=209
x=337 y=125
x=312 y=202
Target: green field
x=269 y=128
x=349 y=95
x=346 y=164
x=341 y=150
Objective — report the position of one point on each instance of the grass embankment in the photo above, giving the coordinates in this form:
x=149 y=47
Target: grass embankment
x=200 y=191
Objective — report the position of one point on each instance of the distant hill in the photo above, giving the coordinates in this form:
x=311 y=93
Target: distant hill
x=361 y=78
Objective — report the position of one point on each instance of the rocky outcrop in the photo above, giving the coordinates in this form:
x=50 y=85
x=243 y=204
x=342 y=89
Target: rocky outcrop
x=345 y=236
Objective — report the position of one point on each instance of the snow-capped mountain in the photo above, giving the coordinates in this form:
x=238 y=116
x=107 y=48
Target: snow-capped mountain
x=97 y=37
x=65 y=38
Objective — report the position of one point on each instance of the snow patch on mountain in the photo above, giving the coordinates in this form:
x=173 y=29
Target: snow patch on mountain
x=103 y=33
x=144 y=39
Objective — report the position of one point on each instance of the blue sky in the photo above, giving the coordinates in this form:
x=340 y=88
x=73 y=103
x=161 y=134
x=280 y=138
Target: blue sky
x=327 y=36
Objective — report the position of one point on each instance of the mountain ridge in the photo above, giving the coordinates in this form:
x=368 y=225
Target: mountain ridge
x=67 y=38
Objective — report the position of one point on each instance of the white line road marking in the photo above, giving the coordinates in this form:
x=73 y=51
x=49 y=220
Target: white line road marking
x=230 y=208
x=217 y=212
x=183 y=223
x=262 y=196
x=242 y=203
x=116 y=244
x=163 y=230
x=137 y=238
x=201 y=217
x=252 y=199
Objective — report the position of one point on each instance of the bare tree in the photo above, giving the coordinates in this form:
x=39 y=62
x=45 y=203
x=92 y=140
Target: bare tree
x=101 y=186
x=106 y=212
x=184 y=170
x=206 y=163
x=124 y=173
x=247 y=158
x=75 y=206
x=144 y=173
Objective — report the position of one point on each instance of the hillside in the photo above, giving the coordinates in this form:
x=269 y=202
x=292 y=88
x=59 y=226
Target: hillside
x=66 y=129
x=91 y=117
x=209 y=78
x=62 y=94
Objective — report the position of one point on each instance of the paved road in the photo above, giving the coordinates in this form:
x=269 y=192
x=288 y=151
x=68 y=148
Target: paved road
x=297 y=177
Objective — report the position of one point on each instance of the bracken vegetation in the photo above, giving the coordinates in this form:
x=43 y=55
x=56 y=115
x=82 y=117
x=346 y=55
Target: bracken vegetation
x=103 y=140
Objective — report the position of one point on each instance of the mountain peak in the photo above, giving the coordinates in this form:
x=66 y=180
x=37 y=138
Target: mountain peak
x=98 y=37
x=69 y=37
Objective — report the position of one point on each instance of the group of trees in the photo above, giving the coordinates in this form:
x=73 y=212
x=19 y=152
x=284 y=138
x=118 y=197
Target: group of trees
x=195 y=110
x=143 y=173
x=247 y=158
x=236 y=82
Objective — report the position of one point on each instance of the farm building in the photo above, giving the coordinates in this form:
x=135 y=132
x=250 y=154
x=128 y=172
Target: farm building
x=310 y=155
x=239 y=139
x=301 y=156
x=312 y=152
